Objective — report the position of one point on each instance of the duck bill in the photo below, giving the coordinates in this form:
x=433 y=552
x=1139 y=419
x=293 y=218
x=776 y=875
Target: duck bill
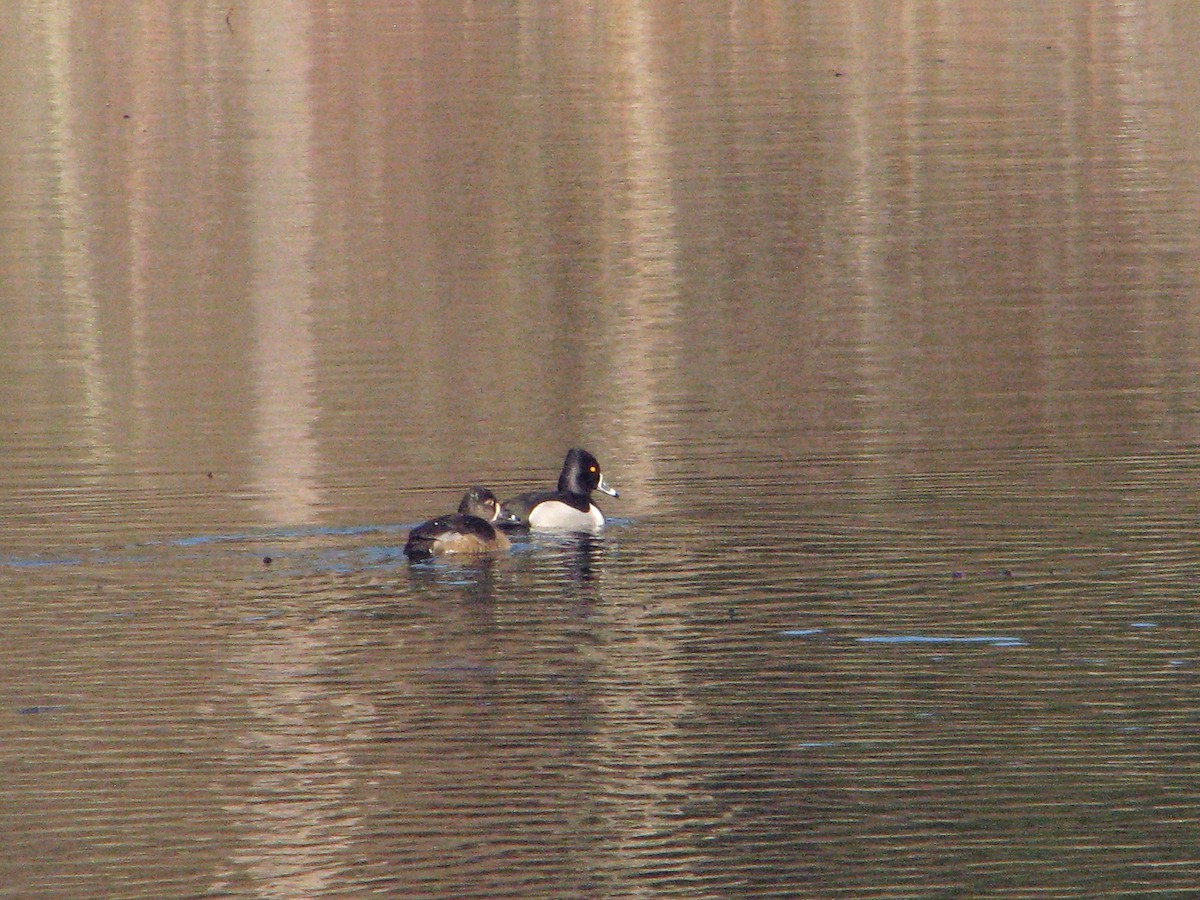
x=605 y=488
x=504 y=517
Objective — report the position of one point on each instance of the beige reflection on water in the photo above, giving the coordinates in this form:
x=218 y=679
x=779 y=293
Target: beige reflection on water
x=82 y=314
x=648 y=296
x=641 y=694
x=1098 y=139
x=281 y=222
x=289 y=838
x=291 y=777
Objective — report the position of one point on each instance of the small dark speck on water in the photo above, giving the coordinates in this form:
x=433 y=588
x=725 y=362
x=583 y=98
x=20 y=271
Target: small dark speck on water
x=267 y=560
x=733 y=614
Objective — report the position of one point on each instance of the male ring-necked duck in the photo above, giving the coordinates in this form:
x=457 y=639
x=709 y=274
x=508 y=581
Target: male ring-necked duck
x=570 y=507
x=471 y=530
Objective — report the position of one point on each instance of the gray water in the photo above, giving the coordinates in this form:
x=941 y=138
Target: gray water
x=883 y=318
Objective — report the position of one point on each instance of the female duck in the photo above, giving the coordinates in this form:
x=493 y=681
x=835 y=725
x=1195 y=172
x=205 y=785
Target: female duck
x=472 y=530
x=570 y=507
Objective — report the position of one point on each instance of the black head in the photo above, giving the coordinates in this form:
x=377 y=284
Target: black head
x=581 y=474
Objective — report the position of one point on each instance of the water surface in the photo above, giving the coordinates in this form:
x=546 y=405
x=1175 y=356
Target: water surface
x=882 y=318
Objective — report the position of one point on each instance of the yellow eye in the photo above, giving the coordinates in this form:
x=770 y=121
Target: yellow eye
x=591 y=468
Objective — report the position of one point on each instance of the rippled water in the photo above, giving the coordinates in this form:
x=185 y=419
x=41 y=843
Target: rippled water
x=881 y=317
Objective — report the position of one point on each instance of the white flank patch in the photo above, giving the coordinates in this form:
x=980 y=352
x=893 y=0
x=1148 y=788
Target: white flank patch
x=557 y=516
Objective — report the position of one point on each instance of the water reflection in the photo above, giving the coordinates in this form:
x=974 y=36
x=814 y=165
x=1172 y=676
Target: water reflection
x=282 y=800
x=290 y=800
x=884 y=314
x=281 y=209
x=81 y=319
x=641 y=237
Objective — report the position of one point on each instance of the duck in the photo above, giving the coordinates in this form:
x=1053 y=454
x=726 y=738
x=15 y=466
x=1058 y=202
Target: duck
x=570 y=506
x=470 y=531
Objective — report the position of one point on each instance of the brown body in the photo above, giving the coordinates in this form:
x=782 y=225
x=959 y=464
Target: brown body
x=457 y=539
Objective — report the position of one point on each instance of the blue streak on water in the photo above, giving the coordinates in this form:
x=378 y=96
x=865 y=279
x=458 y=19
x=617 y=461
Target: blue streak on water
x=281 y=534
x=989 y=640
x=801 y=632
x=17 y=563
x=101 y=556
